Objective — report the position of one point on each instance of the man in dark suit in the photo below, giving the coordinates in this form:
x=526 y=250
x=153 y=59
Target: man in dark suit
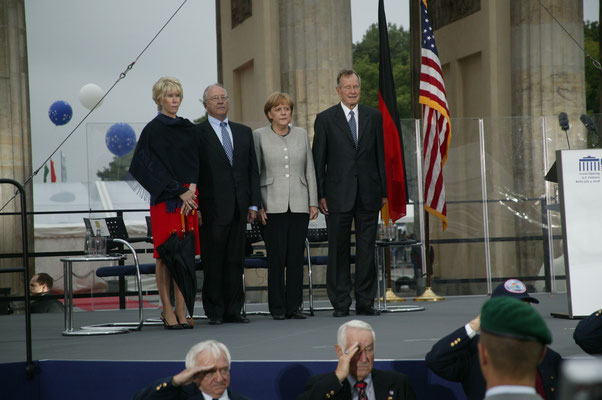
x=40 y=287
x=349 y=160
x=354 y=377
x=456 y=356
x=229 y=197
x=207 y=374
x=588 y=333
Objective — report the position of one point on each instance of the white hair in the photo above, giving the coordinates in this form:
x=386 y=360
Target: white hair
x=213 y=347
x=208 y=88
x=354 y=323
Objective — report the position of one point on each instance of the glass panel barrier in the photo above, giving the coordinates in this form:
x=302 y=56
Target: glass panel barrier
x=513 y=229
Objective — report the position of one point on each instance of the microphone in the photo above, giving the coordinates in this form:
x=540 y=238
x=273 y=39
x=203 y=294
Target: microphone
x=563 y=120
x=591 y=128
x=589 y=124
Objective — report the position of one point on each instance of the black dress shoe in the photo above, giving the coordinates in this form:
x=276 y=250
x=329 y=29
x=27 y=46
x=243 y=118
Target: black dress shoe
x=278 y=317
x=340 y=313
x=186 y=325
x=238 y=319
x=367 y=311
x=215 y=321
x=295 y=315
x=170 y=327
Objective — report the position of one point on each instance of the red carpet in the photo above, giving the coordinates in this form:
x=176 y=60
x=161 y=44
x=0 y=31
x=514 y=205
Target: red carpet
x=109 y=303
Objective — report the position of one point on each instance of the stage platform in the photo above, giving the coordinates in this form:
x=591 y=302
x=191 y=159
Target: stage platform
x=400 y=337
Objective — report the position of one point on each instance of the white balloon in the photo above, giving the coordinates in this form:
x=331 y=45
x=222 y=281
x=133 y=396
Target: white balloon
x=90 y=94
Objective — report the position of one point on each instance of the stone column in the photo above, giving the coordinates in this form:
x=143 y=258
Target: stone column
x=315 y=43
x=15 y=137
x=547 y=78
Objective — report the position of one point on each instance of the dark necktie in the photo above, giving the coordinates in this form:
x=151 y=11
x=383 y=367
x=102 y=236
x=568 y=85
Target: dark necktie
x=353 y=127
x=226 y=142
x=361 y=386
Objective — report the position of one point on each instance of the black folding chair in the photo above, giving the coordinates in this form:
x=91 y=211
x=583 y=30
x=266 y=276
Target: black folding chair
x=253 y=260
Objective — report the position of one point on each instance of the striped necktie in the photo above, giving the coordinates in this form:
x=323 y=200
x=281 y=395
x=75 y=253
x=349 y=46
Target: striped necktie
x=361 y=386
x=226 y=142
x=353 y=127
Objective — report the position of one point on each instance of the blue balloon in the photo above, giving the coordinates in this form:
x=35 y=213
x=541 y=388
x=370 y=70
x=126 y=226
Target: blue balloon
x=120 y=139
x=60 y=112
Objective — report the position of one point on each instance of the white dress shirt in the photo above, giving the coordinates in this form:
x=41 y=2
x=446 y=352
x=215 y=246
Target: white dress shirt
x=223 y=397
x=215 y=124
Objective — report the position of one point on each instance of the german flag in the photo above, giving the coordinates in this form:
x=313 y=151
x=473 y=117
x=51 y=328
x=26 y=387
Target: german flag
x=387 y=104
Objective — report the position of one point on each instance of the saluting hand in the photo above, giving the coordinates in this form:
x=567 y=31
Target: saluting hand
x=345 y=357
x=189 y=375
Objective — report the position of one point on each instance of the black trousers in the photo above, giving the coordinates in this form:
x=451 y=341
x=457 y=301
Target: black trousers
x=284 y=236
x=222 y=252
x=338 y=272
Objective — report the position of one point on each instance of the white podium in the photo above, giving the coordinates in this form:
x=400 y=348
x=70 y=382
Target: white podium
x=580 y=191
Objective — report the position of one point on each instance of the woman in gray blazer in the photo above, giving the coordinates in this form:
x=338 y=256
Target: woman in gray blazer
x=289 y=199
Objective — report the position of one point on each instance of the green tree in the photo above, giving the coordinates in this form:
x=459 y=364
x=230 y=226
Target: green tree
x=117 y=169
x=365 y=62
x=592 y=74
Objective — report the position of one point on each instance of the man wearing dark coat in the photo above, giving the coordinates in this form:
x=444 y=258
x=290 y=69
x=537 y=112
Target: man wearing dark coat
x=207 y=375
x=456 y=356
x=355 y=377
x=588 y=333
x=229 y=197
x=40 y=287
x=348 y=151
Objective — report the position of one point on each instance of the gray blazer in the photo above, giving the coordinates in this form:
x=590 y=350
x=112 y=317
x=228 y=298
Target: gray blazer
x=286 y=169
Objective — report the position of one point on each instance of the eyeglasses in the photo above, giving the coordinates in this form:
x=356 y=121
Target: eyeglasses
x=349 y=87
x=215 y=99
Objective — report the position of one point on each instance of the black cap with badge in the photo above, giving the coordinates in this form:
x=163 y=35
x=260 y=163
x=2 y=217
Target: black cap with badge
x=513 y=288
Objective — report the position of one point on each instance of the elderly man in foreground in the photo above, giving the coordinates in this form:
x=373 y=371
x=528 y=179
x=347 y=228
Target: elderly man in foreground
x=206 y=377
x=355 y=377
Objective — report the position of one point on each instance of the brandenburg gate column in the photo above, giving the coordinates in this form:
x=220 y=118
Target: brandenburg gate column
x=15 y=138
x=315 y=43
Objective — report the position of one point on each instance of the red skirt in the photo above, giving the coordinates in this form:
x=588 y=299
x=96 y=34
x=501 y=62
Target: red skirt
x=164 y=224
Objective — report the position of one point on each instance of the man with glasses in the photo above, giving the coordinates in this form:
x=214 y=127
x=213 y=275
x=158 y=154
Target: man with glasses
x=207 y=376
x=349 y=160
x=355 y=378
x=229 y=197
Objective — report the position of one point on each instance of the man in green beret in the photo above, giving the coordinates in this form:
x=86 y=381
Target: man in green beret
x=512 y=343
x=455 y=357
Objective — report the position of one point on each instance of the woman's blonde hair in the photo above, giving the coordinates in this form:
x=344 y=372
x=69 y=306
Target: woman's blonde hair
x=165 y=85
x=275 y=99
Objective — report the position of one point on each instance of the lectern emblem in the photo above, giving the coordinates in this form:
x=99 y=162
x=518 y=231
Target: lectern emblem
x=589 y=163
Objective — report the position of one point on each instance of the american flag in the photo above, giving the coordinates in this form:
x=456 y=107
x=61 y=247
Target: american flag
x=435 y=122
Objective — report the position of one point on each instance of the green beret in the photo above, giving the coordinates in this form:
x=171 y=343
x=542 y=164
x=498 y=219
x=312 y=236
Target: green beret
x=508 y=317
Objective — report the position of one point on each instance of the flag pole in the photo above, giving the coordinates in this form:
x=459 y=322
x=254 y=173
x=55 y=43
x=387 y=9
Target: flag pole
x=416 y=63
x=428 y=294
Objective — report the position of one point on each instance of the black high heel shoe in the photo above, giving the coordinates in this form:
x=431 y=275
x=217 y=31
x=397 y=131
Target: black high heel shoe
x=170 y=327
x=187 y=325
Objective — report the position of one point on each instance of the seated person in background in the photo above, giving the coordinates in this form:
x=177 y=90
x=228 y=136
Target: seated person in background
x=588 y=333
x=40 y=287
x=354 y=377
x=513 y=341
x=207 y=376
x=455 y=357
